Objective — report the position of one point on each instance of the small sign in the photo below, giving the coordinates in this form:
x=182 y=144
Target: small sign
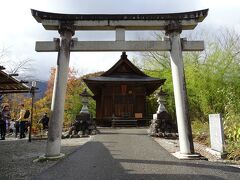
x=138 y=115
x=216 y=132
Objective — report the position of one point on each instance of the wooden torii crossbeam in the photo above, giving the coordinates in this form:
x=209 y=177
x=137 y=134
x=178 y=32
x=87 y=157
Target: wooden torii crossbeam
x=88 y=46
x=120 y=23
x=171 y=23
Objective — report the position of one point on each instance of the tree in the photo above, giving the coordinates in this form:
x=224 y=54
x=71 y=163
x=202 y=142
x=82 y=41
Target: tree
x=213 y=80
x=73 y=103
x=15 y=67
x=23 y=67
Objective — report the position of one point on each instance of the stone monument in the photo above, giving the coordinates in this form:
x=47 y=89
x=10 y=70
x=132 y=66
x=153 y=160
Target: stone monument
x=216 y=135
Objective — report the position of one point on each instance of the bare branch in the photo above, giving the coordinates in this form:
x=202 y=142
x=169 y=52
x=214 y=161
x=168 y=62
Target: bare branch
x=21 y=65
x=3 y=54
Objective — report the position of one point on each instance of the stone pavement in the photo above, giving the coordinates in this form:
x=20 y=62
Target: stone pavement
x=130 y=154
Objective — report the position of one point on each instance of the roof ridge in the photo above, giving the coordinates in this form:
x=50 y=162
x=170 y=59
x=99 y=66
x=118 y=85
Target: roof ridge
x=124 y=59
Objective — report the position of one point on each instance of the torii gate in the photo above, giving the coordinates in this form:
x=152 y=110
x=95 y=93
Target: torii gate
x=67 y=24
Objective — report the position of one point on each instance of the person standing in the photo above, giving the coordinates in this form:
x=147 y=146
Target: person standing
x=2 y=127
x=17 y=131
x=6 y=116
x=23 y=116
x=44 y=120
x=12 y=128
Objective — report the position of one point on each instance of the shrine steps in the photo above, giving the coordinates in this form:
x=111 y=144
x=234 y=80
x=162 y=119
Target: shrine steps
x=124 y=123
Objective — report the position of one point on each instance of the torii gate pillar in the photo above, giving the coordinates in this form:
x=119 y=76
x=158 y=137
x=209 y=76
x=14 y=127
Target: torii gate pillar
x=180 y=94
x=59 y=91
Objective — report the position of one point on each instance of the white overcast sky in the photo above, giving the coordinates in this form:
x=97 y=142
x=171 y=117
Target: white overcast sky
x=19 y=30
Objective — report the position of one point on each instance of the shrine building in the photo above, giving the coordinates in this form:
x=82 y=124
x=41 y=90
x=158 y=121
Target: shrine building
x=120 y=93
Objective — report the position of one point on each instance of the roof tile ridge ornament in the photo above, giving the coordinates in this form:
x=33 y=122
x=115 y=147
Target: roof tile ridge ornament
x=124 y=55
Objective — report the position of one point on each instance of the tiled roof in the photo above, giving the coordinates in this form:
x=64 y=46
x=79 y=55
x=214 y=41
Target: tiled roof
x=8 y=84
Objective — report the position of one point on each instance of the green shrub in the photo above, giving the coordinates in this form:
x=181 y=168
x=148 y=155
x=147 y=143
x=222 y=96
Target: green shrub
x=232 y=132
x=213 y=85
x=201 y=132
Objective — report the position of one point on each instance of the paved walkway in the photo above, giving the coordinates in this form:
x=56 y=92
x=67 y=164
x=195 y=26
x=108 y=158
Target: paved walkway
x=130 y=154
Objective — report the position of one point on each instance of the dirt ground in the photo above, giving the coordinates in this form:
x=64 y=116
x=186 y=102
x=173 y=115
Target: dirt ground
x=17 y=156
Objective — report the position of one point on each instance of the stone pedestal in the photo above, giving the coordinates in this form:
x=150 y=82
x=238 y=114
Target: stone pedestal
x=163 y=126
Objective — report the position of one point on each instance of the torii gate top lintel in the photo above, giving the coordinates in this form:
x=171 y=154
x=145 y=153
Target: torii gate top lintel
x=187 y=20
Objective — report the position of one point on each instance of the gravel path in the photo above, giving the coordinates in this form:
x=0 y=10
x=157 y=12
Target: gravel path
x=130 y=154
x=172 y=146
x=17 y=155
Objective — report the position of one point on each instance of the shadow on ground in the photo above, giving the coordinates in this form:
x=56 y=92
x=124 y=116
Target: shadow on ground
x=94 y=161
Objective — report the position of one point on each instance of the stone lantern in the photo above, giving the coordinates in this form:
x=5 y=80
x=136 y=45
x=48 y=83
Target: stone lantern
x=161 y=124
x=161 y=101
x=83 y=125
x=85 y=95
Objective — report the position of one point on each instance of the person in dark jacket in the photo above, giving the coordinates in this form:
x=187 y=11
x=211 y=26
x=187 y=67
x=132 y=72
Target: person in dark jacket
x=2 y=127
x=5 y=118
x=44 y=120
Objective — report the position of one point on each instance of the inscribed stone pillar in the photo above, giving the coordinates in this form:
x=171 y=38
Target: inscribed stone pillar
x=180 y=94
x=58 y=98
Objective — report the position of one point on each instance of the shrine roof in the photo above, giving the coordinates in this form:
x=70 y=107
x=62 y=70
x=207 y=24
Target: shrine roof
x=124 y=72
x=8 y=84
x=123 y=78
x=124 y=67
